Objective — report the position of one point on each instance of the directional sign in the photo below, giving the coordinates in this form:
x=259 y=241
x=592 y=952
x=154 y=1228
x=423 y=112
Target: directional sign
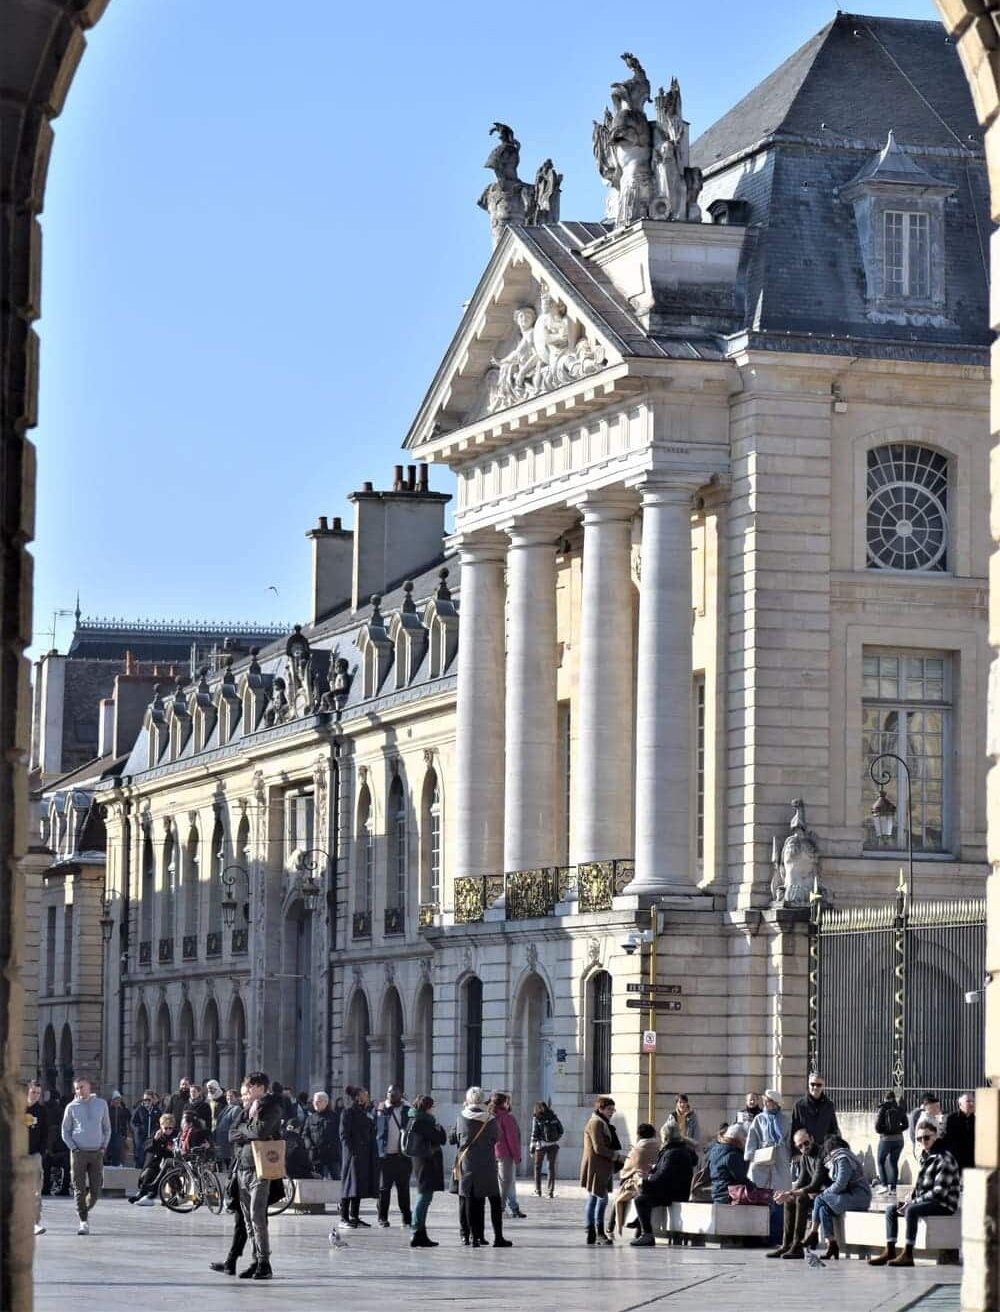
x=653 y=988
x=649 y=1040
x=652 y=1004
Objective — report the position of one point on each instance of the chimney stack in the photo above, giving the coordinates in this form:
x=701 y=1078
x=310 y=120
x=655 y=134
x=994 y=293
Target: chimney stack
x=396 y=533
x=332 y=566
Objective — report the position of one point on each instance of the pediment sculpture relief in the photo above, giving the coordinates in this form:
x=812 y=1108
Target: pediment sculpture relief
x=551 y=351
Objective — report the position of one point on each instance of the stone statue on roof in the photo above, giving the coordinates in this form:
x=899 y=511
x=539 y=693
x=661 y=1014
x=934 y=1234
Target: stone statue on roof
x=645 y=162
x=509 y=200
x=549 y=351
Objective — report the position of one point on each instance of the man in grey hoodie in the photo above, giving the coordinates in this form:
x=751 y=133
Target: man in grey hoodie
x=86 y=1131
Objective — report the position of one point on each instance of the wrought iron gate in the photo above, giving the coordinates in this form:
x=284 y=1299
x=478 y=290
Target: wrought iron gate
x=887 y=1007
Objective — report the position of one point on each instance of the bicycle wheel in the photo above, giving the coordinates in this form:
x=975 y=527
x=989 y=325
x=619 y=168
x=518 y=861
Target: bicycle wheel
x=178 y=1190
x=211 y=1190
x=275 y=1209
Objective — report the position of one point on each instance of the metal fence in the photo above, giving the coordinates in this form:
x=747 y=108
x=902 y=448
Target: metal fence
x=887 y=1006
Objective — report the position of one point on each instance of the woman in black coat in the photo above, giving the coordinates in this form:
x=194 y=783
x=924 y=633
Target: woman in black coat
x=359 y=1174
x=475 y=1134
x=668 y=1182
x=422 y=1141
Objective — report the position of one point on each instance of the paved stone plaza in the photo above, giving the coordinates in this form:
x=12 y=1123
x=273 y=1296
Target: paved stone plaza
x=150 y=1258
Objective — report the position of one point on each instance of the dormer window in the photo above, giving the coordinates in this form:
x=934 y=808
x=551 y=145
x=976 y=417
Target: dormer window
x=907 y=244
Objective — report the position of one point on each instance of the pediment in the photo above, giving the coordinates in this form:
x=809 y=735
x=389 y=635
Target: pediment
x=526 y=332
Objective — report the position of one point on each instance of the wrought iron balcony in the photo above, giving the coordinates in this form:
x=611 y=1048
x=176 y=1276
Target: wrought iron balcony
x=426 y=914
x=145 y=953
x=189 y=947
x=599 y=882
x=361 y=924
x=166 y=951
x=474 y=894
x=394 y=920
x=239 y=942
x=531 y=893
x=213 y=945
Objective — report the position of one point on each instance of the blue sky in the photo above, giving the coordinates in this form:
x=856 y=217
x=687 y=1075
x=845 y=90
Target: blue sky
x=260 y=227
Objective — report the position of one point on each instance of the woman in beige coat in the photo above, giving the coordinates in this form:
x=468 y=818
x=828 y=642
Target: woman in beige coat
x=602 y=1152
x=638 y=1164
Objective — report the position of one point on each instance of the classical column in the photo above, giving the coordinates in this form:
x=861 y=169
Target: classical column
x=663 y=761
x=532 y=719
x=479 y=712
x=602 y=792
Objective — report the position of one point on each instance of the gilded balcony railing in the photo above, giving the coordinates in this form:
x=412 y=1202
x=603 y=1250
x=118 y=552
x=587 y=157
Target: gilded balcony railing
x=474 y=895
x=145 y=953
x=532 y=893
x=599 y=882
x=394 y=920
x=189 y=947
x=166 y=951
x=426 y=914
x=361 y=924
x=239 y=942
x=213 y=944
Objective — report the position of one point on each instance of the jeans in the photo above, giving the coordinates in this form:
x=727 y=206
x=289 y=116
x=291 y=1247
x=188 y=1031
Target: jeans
x=253 y=1202
x=88 y=1176
x=113 y=1152
x=394 y=1169
x=423 y=1201
x=889 y=1149
x=913 y=1213
x=507 y=1175
x=36 y=1159
x=542 y=1155
x=597 y=1205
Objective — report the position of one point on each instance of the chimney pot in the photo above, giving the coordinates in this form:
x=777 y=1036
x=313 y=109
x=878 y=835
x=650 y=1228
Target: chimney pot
x=323 y=526
x=411 y=477
x=397 y=480
x=367 y=487
x=422 y=470
x=337 y=527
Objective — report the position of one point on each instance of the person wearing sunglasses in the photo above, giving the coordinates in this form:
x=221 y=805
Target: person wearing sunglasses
x=815 y=1112
x=935 y=1193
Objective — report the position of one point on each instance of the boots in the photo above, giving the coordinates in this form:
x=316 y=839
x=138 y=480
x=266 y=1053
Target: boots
x=796 y=1252
x=605 y=1239
x=250 y=1272
x=811 y=1237
x=591 y=1234
x=885 y=1257
x=777 y=1252
x=832 y=1251
x=263 y=1271
x=228 y=1267
x=421 y=1239
x=905 y=1258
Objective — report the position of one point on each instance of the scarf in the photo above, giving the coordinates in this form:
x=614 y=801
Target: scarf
x=476 y=1112
x=774 y=1127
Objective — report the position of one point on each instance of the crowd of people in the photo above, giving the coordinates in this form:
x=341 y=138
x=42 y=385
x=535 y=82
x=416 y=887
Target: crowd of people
x=799 y=1164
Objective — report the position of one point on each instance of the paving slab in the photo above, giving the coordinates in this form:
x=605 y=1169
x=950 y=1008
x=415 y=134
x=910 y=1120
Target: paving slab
x=150 y=1258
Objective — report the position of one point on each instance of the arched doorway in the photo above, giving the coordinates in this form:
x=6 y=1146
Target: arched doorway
x=357 y=1054
x=422 y=1064
x=66 y=1062
x=210 y=1043
x=471 y=1038
x=50 y=1070
x=297 y=1043
x=164 y=1034
x=142 y=1072
x=532 y=1034
x=238 y=1038
x=391 y=1034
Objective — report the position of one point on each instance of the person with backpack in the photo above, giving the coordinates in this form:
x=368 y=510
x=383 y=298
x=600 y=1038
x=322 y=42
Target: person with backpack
x=546 y=1131
x=890 y=1126
x=421 y=1142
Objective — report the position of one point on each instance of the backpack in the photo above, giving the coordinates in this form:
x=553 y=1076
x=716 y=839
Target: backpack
x=894 y=1120
x=411 y=1142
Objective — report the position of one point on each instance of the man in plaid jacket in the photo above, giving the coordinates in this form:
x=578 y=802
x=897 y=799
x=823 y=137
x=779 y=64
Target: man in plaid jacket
x=934 y=1194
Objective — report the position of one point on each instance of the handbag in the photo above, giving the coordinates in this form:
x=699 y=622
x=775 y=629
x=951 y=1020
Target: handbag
x=701 y=1185
x=268 y=1158
x=748 y=1195
x=764 y=1156
x=456 y=1170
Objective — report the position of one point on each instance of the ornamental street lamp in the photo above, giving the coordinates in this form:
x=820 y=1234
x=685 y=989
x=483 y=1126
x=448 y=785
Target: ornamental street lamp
x=884 y=811
x=107 y=921
x=227 y=878
x=311 y=866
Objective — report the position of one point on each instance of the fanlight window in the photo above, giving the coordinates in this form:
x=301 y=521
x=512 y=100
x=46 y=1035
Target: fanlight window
x=907 y=513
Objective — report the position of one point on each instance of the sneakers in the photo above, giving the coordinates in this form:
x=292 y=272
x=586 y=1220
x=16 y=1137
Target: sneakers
x=83 y=1228
x=147 y=1201
x=39 y=1229
x=644 y=1241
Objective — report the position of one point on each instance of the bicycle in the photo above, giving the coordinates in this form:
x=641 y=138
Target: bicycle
x=286 y=1200
x=189 y=1182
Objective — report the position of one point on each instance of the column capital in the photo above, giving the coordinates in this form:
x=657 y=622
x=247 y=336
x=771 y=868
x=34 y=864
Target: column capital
x=606 y=504
x=673 y=489
x=478 y=545
x=538 y=530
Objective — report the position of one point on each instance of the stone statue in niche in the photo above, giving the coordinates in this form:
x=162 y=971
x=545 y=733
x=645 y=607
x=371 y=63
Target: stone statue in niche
x=278 y=708
x=509 y=200
x=796 y=865
x=549 y=353
x=299 y=675
x=645 y=163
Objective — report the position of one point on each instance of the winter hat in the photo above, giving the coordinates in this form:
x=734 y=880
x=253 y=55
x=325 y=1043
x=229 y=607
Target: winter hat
x=213 y=1088
x=774 y=1095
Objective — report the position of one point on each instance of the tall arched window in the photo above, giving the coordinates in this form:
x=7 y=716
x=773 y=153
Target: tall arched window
x=599 y=1012
x=148 y=892
x=396 y=872
x=168 y=911
x=192 y=887
x=430 y=841
x=365 y=865
x=472 y=1025
x=218 y=864
x=907 y=508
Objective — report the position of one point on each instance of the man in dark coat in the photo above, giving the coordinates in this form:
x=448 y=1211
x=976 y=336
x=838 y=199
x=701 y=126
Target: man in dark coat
x=118 y=1114
x=359 y=1167
x=394 y=1165
x=960 y=1132
x=179 y=1100
x=668 y=1182
x=815 y=1112
x=262 y=1123
x=321 y=1135
x=37 y=1120
x=144 y=1120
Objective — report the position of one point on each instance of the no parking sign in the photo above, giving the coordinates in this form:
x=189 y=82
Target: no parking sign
x=649 y=1040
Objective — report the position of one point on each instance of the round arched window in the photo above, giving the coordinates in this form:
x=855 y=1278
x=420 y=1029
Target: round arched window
x=907 y=512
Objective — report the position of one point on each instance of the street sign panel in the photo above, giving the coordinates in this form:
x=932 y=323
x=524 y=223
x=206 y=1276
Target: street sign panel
x=652 y=1004
x=653 y=988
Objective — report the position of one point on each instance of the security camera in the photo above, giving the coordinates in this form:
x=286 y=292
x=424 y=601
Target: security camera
x=631 y=943
x=976 y=995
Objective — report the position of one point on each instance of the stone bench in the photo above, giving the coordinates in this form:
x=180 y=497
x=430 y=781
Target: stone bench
x=718 y=1221
x=313 y=1195
x=935 y=1234
x=120 y=1181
